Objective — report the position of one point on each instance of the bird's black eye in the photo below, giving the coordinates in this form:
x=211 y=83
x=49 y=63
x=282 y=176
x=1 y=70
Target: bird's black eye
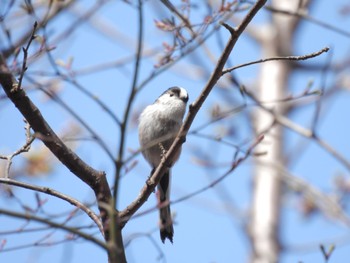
x=171 y=94
x=176 y=92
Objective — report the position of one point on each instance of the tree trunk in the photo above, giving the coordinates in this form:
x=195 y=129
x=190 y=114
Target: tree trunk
x=276 y=39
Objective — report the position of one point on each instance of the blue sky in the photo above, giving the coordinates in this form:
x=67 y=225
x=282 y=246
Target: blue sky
x=209 y=226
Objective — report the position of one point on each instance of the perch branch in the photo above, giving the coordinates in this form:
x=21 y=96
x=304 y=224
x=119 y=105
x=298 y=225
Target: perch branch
x=152 y=182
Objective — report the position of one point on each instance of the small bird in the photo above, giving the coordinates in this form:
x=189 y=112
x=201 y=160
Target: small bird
x=158 y=126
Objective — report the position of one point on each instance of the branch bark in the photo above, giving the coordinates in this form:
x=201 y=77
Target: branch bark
x=57 y=194
x=95 y=179
x=152 y=182
x=48 y=222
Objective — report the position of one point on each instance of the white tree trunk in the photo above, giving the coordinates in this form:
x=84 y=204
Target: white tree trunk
x=276 y=40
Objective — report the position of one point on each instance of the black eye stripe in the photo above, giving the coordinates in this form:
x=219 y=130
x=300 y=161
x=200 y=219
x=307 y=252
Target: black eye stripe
x=177 y=92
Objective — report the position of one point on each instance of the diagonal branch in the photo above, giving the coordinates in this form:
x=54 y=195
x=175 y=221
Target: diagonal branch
x=34 y=117
x=307 y=133
x=95 y=179
x=184 y=20
x=193 y=110
x=41 y=24
x=57 y=194
x=232 y=168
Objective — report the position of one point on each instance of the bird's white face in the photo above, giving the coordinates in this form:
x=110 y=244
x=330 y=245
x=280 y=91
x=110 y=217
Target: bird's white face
x=173 y=94
x=172 y=103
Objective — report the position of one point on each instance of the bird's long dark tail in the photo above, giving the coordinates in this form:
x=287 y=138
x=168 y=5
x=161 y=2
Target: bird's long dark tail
x=166 y=222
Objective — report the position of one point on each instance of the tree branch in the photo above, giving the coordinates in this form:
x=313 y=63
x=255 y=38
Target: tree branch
x=305 y=16
x=307 y=133
x=55 y=225
x=34 y=117
x=152 y=182
x=95 y=179
x=59 y=195
x=287 y=58
x=41 y=24
x=25 y=148
x=234 y=165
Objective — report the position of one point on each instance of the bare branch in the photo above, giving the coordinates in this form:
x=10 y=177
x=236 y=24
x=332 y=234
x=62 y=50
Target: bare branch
x=133 y=91
x=288 y=58
x=25 y=55
x=26 y=216
x=25 y=148
x=184 y=20
x=65 y=106
x=233 y=167
x=39 y=125
x=95 y=179
x=286 y=122
x=306 y=17
x=60 y=8
x=59 y=195
x=193 y=110
x=327 y=205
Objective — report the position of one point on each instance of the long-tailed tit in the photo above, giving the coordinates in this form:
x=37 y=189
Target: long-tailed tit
x=158 y=127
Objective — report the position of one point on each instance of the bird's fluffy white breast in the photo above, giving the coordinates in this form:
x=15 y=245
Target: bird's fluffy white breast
x=168 y=107
x=160 y=120
x=155 y=116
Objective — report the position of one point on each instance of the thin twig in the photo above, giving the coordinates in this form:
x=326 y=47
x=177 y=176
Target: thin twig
x=119 y=162
x=288 y=58
x=193 y=110
x=21 y=230
x=247 y=154
x=65 y=5
x=64 y=105
x=184 y=20
x=59 y=195
x=199 y=43
x=95 y=179
x=286 y=122
x=317 y=112
x=233 y=167
x=25 y=148
x=326 y=203
x=25 y=56
x=309 y=18
x=27 y=216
